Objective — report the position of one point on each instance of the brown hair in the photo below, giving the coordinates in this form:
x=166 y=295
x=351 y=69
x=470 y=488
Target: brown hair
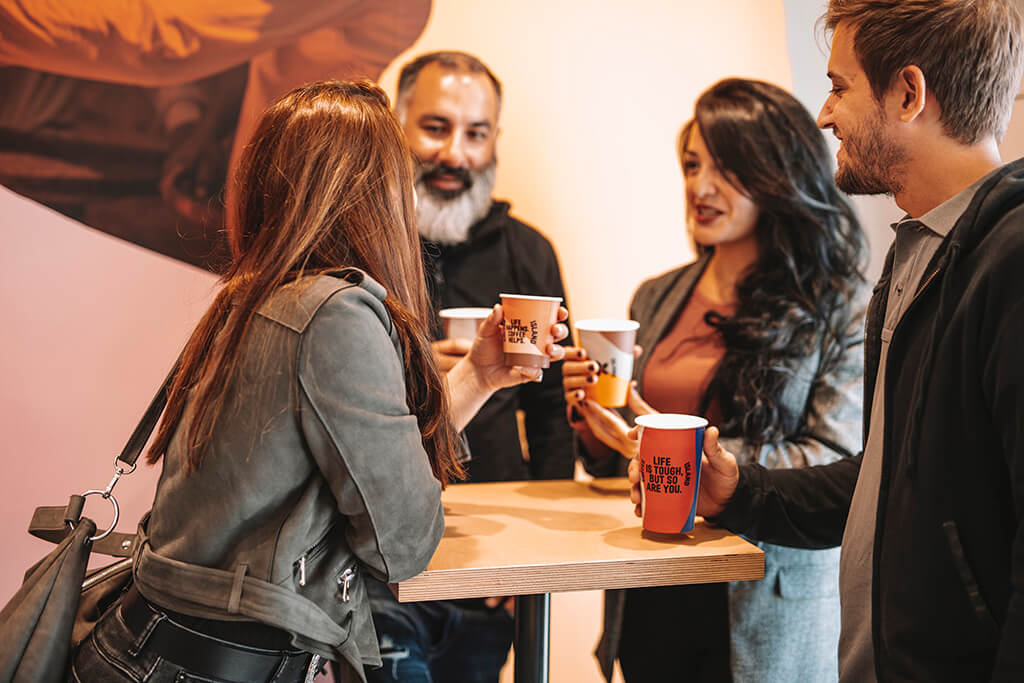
x=325 y=182
x=448 y=59
x=969 y=50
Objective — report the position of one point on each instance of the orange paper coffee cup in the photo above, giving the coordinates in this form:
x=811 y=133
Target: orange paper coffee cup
x=527 y=328
x=462 y=323
x=670 y=450
x=609 y=343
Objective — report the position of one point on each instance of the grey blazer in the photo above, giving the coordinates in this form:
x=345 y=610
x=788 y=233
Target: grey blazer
x=785 y=627
x=316 y=475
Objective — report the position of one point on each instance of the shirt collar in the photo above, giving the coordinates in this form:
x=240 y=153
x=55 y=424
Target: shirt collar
x=943 y=217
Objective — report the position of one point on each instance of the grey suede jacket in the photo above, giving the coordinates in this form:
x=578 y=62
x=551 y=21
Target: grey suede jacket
x=786 y=626
x=316 y=475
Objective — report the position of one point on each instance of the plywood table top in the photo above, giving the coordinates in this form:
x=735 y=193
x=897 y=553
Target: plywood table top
x=526 y=537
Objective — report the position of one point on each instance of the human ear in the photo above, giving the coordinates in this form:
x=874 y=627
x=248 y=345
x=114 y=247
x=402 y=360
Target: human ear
x=912 y=91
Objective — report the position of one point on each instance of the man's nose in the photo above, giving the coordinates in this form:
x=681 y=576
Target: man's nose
x=825 y=115
x=453 y=153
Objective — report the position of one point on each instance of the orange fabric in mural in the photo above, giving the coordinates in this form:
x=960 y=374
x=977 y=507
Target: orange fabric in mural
x=170 y=42
x=95 y=118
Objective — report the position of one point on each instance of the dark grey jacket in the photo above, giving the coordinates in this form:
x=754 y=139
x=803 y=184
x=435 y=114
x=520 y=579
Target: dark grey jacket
x=316 y=475
x=786 y=626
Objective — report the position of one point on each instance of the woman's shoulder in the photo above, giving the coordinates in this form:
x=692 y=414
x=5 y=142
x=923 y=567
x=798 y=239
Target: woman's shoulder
x=654 y=288
x=849 y=316
x=347 y=294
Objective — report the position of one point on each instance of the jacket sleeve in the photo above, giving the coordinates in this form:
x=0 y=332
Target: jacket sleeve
x=548 y=432
x=1003 y=383
x=800 y=508
x=362 y=436
x=833 y=419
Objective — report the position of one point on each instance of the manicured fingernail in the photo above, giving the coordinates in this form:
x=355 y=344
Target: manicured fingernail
x=591 y=380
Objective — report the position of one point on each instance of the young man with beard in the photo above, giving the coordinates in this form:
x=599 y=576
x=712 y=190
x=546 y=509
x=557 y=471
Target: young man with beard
x=449 y=104
x=931 y=514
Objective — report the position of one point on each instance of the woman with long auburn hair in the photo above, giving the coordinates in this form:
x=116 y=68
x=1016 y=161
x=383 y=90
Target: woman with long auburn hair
x=308 y=432
x=762 y=335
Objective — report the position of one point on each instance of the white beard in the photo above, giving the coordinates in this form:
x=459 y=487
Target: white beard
x=448 y=220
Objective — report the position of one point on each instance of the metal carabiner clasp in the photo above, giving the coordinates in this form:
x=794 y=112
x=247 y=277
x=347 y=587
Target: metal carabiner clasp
x=118 y=472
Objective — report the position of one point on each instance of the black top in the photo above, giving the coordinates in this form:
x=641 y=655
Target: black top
x=503 y=254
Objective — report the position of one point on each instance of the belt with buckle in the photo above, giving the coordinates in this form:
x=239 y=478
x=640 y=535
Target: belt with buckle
x=206 y=655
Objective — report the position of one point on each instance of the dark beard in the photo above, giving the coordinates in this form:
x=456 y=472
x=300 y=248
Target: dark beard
x=872 y=162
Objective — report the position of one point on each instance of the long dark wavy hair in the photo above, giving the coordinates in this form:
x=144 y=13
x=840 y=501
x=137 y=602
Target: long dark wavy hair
x=325 y=182
x=810 y=252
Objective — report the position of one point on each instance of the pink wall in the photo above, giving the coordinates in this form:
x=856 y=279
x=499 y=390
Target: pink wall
x=91 y=326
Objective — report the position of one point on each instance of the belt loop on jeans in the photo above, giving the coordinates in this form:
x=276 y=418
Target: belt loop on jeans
x=236 y=588
x=143 y=636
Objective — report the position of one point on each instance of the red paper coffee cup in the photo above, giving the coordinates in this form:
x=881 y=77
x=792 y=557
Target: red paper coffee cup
x=527 y=328
x=670 y=450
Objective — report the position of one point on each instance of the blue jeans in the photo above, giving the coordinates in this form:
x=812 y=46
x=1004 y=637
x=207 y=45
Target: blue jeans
x=438 y=642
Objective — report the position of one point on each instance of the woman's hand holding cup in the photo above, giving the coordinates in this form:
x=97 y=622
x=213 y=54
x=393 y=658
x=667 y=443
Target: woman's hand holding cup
x=482 y=371
x=486 y=356
x=587 y=415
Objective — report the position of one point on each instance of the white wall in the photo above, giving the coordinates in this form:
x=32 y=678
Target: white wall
x=808 y=50
x=595 y=95
x=1012 y=146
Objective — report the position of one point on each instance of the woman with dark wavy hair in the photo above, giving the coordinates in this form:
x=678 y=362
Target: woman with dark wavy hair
x=762 y=335
x=308 y=430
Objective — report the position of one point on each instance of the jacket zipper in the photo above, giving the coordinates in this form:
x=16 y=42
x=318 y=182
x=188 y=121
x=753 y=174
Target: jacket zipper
x=345 y=581
x=311 y=552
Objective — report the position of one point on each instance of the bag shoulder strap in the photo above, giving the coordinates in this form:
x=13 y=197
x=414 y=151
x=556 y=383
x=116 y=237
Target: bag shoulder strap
x=137 y=441
x=53 y=523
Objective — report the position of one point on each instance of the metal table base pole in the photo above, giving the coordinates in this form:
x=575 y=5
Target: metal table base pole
x=532 y=638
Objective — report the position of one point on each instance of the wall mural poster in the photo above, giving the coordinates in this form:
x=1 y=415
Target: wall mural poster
x=127 y=119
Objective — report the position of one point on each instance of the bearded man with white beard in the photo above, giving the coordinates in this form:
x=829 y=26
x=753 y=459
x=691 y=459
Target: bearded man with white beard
x=448 y=104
